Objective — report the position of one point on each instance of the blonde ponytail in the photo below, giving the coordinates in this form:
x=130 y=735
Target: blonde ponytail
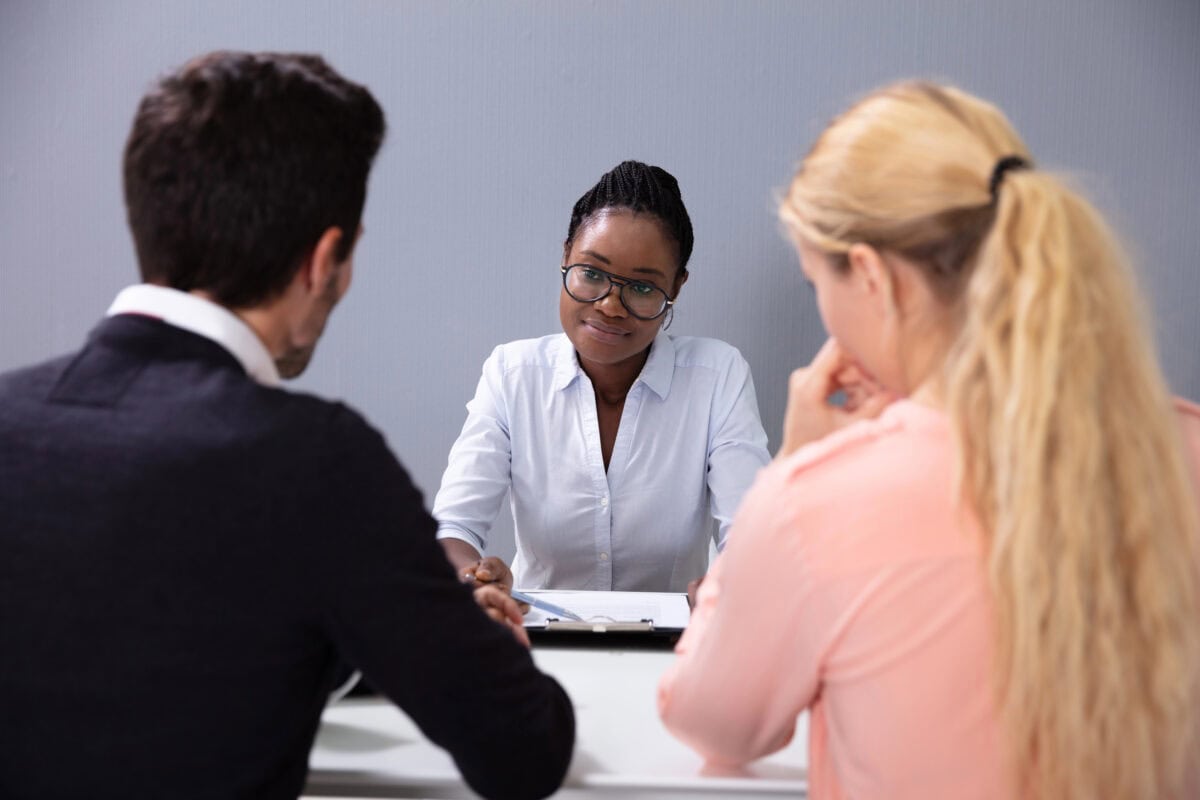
x=1069 y=450
x=1071 y=457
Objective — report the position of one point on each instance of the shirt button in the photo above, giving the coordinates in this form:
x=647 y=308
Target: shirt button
x=604 y=556
x=604 y=502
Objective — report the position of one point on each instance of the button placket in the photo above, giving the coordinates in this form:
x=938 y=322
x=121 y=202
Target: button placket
x=586 y=399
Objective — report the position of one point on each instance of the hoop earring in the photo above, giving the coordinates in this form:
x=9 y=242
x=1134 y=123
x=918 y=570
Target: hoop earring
x=670 y=318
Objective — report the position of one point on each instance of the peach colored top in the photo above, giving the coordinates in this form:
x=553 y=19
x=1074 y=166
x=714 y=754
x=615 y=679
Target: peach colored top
x=853 y=586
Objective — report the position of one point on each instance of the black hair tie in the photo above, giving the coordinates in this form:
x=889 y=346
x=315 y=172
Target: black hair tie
x=1003 y=166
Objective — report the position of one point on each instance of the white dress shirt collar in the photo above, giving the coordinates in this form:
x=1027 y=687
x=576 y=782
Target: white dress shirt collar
x=656 y=374
x=203 y=318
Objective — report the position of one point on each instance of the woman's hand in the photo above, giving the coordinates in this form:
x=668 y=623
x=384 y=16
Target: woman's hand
x=810 y=415
x=487 y=570
x=473 y=567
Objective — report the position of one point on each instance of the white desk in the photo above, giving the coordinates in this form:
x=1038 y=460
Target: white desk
x=368 y=748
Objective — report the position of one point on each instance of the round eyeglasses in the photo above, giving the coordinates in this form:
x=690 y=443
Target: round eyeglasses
x=589 y=284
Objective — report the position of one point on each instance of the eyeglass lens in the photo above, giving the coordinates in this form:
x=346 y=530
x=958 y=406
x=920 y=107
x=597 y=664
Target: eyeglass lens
x=588 y=284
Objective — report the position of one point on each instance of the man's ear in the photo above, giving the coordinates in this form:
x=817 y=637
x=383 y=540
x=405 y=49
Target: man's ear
x=323 y=265
x=874 y=277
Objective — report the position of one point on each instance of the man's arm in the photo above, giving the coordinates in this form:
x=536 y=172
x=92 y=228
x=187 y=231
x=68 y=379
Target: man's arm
x=397 y=611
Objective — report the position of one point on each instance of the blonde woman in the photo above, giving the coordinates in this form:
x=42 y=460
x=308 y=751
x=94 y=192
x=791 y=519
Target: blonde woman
x=991 y=589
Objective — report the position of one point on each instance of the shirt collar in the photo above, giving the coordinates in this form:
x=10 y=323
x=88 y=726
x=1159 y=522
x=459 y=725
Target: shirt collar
x=203 y=318
x=566 y=365
x=656 y=374
x=660 y=365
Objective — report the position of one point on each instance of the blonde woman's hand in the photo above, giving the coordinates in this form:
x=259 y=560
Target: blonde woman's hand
x=810 y=415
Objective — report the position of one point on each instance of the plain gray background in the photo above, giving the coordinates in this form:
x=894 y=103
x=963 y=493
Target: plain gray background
x=502 y=113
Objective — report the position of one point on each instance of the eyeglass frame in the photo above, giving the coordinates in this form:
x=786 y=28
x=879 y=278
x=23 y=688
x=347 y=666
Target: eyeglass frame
x=618 y=281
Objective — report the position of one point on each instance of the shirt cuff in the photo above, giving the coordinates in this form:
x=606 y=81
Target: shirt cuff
x=448 y=530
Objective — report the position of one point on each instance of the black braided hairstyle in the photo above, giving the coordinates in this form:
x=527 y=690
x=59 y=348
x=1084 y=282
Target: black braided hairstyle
x=642 y=189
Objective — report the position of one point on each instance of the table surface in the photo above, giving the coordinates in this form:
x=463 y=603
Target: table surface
x=366 y=747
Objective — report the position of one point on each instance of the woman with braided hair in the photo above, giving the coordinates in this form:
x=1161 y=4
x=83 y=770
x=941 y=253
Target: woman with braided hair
x=625 y=451
x=992 y=590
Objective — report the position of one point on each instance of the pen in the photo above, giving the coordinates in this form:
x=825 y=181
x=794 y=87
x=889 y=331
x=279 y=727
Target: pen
x=537 y=602
x=470 y=579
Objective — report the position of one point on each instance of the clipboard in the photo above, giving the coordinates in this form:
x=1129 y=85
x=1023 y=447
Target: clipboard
x=570 y=626
x=610 y=619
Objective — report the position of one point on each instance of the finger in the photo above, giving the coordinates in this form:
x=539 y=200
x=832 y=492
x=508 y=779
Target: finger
x=498 y=570
x=855 y=395
x=869 y=408
x=850 y=374
x=494 y=570
x=819 y=379
x=806 y=416
x=493 y=597
x=483 y=578
x=874 y=405
x=520 y=634
x=831 y=359
x=518 y=629
x=828 y=357
x=503 y=609
x=808 y=386
x=504 y=575
x=470 y=573
x=484 y=596
x=853 y=375
x=512 y=610
x=858 y=385
x=871 y=382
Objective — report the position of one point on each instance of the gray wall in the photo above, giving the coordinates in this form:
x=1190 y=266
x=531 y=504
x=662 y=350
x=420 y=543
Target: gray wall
x=501 y=114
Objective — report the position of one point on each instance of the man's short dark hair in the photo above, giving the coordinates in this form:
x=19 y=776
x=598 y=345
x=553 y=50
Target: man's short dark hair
x=238 y=162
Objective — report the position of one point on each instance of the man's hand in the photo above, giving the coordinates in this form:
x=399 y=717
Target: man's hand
x=492 y=581
x=810 y=416
x=497 y=604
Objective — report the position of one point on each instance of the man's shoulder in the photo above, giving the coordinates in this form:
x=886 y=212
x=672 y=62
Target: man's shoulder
x=323 y=429
x=197 y=401
x=32 y=379
x=339 y=419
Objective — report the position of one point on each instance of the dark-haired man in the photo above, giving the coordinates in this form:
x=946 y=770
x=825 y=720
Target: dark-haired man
x=187 y=549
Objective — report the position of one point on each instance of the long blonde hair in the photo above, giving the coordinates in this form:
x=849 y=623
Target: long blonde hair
x=1069 y=452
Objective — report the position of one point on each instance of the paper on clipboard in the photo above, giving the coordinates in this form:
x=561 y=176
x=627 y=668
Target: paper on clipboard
x=667 y=610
